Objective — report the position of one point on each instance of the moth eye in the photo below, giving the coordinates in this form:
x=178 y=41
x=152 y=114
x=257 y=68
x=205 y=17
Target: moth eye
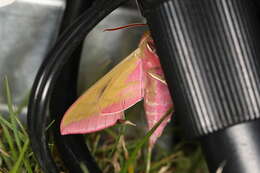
x=151 y=47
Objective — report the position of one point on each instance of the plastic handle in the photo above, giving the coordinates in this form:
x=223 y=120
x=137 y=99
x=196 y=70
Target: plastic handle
x=210 y=56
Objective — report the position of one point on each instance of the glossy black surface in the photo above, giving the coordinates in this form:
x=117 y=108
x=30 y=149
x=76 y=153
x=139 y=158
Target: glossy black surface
x=72 y=148
x=209 y=51
x=210 y=56
x=237 y=147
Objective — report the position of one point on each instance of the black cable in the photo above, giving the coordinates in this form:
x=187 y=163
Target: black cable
x=48 y=74
x=71 y=148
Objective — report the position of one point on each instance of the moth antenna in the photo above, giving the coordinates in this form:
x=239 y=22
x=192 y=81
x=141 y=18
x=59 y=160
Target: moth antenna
x=126 y=26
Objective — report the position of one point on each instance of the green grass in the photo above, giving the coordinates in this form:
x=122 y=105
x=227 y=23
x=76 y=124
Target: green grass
x=130 y=151
x=15 y=153
x=185 y=157
x=120 y=149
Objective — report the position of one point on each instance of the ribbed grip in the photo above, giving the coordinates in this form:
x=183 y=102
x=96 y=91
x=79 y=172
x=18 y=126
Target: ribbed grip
x=209 y=50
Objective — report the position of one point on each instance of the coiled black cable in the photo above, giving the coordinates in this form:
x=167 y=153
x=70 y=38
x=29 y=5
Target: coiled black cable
x=45 y=81
x=71 y=148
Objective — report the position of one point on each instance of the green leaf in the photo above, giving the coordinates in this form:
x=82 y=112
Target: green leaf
x=20 y=158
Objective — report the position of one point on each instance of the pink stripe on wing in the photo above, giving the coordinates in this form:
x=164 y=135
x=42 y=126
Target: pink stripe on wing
x=91 y=124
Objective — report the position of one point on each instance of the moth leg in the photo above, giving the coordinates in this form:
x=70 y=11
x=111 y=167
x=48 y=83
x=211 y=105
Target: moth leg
x=157 y=77
x=126 y=122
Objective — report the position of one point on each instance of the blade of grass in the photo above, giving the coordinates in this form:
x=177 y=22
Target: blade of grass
x=5 y=122
x=10 y=142
x=96 y=141
x=50 y=124
x=17 y=165
x=104 y=149
x=23 y=104
x=4 y=152
x=11 y=112
x=148 y=159
x=6 y=158
x=8 y=125
x=19 y=110
x=111 y=133
x=221 y=167
x=84 y=168
x=141 y=142
x=166 y=160
x=121 y=133
x=14 y=122
x=21 y=126
x=27 y=165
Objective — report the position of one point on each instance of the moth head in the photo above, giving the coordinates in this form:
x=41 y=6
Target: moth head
x=147 y=43
x=149 y=56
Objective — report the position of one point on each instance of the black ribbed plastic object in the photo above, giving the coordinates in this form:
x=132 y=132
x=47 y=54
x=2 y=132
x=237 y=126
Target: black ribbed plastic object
x=209 y=52
x=212 y=48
